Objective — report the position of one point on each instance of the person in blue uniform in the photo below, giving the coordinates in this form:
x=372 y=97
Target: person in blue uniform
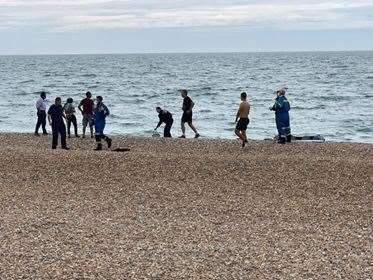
x=282 y=108
x=100 y=112
x=55 y=118
x=165 y=117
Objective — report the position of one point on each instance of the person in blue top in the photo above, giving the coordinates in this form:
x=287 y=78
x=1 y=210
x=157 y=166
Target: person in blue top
x=100 y=112
x=282 y=108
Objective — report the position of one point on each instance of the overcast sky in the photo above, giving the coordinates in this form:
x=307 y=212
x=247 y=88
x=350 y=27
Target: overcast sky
x=109 y=26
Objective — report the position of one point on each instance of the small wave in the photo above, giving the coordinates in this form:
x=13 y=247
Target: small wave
x=128 y=124
x=370 y=78
x=364 y=129
x=27 y=81
x=89 y=75
x=205 y=111
x=38 y=92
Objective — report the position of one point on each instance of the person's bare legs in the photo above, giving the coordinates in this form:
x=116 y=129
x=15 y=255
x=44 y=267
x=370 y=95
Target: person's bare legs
x=193 y=128
x=183 y=128
x=244 y=136
x=239 y=134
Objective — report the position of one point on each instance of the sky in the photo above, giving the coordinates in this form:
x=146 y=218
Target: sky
x=138 y=26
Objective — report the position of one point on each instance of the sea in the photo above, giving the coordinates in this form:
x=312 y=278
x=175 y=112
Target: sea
x=331 y=93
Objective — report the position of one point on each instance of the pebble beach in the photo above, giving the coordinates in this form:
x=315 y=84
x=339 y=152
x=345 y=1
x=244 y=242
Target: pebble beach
x=185 y=209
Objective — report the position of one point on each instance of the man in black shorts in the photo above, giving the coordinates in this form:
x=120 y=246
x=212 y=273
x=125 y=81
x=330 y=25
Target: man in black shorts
x=187 y=117
x=242 y=118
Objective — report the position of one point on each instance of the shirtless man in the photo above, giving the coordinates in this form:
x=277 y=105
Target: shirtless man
x=242 y=119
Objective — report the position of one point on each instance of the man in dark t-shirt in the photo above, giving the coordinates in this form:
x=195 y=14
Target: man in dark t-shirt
x=187 y=116
x=55 y=117
x=165 y=117
x=86 y=107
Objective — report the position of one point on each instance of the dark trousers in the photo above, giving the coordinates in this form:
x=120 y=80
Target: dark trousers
x=42 y=121
x=61 y=130
x=72 y=119
x=167 y=129
x=283 y=125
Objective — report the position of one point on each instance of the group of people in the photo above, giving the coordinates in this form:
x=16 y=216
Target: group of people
x=94 y=115
x=281 y=108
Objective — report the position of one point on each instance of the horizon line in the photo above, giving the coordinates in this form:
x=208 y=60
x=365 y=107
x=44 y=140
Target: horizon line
x=188 y=52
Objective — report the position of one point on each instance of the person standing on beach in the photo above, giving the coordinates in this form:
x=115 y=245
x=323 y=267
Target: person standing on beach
x=187 y=116
x=69 y=110
x=242 y=119
x=55 y=117
x=86 y=107
x=282 y=108
x=41 y=107
x=100 y=113
x=165 y=117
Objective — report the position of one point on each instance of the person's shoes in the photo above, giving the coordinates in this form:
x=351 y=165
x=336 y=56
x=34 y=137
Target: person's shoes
x=92 y=136
x=68 y=136
x=197 y=135
x=182 y=136
x=281 y=140
x=243 y=144
x=53 y=148
x=45 y=133
x=77 y=136
x=98 y=148
x=288 y=138
x=36 y=134
x=65 y=148
x=109 y=142
x=83 y=136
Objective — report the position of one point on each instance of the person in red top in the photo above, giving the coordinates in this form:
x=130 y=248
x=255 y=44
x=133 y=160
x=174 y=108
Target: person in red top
x=86 y=107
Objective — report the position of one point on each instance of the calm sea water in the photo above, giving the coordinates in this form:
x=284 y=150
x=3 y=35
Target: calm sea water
x=331 y=93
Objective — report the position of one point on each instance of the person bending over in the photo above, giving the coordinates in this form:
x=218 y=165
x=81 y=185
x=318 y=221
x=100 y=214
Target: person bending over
x=187 y=116
x=86 y=107
x=165 y=117
x=242 y=119
x=100 y=112
x=69 y=111
x=282 y=108
x=55 y=118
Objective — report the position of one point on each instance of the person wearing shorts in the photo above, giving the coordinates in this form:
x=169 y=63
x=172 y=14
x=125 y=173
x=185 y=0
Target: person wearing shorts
x=242 y=119
x=187 y=116
x=86 y=107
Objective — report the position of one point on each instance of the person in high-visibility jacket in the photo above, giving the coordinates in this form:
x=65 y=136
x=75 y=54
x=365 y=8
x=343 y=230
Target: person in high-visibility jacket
x=282 y=108
x=100 y=112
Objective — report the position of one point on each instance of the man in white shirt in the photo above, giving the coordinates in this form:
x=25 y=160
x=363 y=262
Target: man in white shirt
x=41 y=107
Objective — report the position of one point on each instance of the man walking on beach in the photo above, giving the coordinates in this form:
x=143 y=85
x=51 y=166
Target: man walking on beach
x=187 y=117
x=41 y=107
x=55 y=117
x=86 y=107
x=100 y=113
x=165 y=117
x=242 y=119
x=282 y=108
